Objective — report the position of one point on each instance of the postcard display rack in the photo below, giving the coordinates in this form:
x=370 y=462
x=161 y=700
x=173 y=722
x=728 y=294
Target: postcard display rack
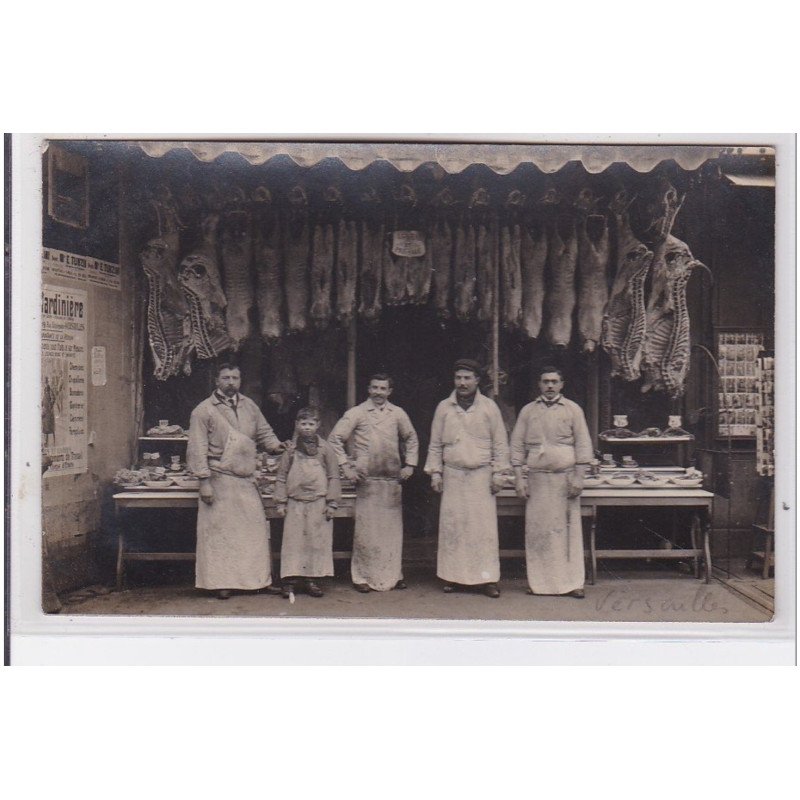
x=765 y=417
x=738 y=390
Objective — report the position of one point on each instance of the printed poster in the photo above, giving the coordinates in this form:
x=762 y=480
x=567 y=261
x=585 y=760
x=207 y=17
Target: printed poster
x=58 y=264
x=64 y=378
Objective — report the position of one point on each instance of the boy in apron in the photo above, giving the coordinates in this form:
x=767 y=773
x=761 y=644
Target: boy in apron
x=307 y=494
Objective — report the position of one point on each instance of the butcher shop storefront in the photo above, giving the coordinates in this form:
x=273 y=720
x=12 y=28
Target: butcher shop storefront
x=644 y=273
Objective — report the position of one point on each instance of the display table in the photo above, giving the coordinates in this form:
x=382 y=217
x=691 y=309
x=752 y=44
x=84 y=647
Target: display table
x=508 y=505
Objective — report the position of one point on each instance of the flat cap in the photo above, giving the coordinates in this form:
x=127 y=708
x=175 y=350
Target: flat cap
x=468 y=363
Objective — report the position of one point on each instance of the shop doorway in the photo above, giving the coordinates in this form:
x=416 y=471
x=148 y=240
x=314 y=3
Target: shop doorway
x=417 y=349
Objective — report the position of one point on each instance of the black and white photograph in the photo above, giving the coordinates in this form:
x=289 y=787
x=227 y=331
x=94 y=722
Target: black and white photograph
x=407 y=380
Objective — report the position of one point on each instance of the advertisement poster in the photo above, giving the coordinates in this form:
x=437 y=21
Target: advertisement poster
x=58 y=264
x=64 y=421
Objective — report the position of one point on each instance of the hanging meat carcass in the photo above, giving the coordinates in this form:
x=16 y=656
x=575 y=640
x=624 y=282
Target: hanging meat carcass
x=206 y=306
x=267 y=264
x=346 y=270
x=667 y=346
x=237 y=257
x=168 y=330
x=323 y=258
x=562 y=262
x=297 y=246
x=624 y=320
x=372 y=244
x=441 y=245
x=200 y=213
x=593 y=256
x=465 y=258
x=419 y=272
x=659 y=212
x=486 y=253
x=533 y=261
x=511 y=260
x=464 y=275
x=282 y=390
x=168 y=326
x=406 y=260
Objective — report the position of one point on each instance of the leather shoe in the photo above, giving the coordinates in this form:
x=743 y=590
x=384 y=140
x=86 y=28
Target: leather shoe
x=401 y=584
x=362 y=587
x=491 y=590
x=313 y=589
x=223 y=594
x=577 y=593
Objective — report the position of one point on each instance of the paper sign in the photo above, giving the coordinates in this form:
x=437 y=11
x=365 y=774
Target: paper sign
x=410 y=244
x=98 y=366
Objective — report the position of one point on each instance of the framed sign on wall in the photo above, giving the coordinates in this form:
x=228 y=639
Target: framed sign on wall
x=68 y=187
x=737 y=391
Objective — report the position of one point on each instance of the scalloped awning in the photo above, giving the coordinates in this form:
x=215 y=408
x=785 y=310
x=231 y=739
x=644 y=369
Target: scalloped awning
x=452 y=158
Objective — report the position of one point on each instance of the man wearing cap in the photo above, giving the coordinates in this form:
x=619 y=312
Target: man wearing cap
x=551 y=438
x=468 y=451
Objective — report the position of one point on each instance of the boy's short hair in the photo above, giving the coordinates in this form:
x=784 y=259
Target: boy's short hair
x=382 y=376
x=309 y=412
x=549 y=368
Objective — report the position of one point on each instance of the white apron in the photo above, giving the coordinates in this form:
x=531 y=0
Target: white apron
x=469 y=551
x=553 y=535
x=233 y=533
x=307 y=548
x=378 y=534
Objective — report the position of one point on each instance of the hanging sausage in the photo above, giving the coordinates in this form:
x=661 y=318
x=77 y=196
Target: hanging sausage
x=267 y=263
x=624 y=319
x=562 y=262
x=593 y=255
x=237 y=258
x=372 y=236
x=297 y=245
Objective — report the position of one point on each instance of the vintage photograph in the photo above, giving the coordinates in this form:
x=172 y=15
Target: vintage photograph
x=408 y=380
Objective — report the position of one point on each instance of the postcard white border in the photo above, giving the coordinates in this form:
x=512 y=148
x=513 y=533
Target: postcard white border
x=64 y=639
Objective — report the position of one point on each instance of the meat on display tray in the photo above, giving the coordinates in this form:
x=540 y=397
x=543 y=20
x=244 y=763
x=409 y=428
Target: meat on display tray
x=644 y=439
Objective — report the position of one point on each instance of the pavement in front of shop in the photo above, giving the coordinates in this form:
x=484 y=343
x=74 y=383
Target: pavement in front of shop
x=620 y=595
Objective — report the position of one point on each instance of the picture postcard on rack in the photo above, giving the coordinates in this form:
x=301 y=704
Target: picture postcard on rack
x=410 y=381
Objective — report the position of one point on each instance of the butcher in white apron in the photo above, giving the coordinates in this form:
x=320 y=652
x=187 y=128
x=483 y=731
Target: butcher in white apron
x=225 y=432
x=551 y=438
x=307 y=494
x=468 y=452
x=385 y=452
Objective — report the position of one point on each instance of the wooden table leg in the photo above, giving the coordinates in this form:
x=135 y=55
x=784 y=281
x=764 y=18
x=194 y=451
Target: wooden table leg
x=767 y=555
x=707 y=543
x=120 y=551
x=695 y=527
x=593 y=546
